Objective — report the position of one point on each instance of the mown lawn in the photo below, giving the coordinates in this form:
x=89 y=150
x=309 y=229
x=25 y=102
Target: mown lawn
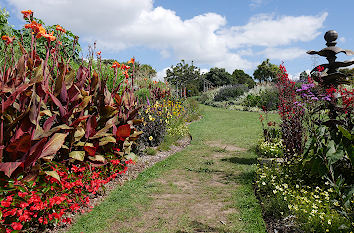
x=206 y=187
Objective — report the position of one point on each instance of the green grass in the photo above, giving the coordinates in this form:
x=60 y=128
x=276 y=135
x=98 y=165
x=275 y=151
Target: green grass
x=131 y=202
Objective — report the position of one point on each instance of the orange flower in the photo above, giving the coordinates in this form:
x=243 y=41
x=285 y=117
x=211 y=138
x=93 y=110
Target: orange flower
x=59 y=42
x=131 y=61
x=49 y=36
x=8 y=40
x=41 y=32
x=27 y=14
x=59 y=28
x=37 y=28
x=115 y=65
x=98 y=53
x=155 y=82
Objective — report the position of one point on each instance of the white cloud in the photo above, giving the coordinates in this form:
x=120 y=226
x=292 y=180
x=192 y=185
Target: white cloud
x=255 y=3
x=160 y=75
x=283 y=54
x=269 y=31
x=206 y=39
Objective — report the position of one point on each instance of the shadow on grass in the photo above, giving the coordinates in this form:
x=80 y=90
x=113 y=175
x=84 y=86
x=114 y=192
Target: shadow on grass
x=240 y=160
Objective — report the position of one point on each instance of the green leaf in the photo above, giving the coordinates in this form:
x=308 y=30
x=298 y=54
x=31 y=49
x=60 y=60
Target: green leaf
x=334 y=154
x=106 y=140
x=345 y=132
x=98 y=158
x=53 y=174
x=78 y=155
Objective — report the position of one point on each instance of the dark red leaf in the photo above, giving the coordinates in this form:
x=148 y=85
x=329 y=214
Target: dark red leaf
x=34 y=153
x=91 y=151
x=21 y=145
x=123 y=131
x=58 y=103
x=11 y=99
x=78 y=120
x=49 y=122
x=91 y=127
x=9 y=167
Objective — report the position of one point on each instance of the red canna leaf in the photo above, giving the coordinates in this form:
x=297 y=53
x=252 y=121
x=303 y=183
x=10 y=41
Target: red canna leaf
x=123 y=132
x=58 y=103
x=49 y=122
x=9 y=167
x=78 y=120
x=21 y=145
x=91 y=127
x=54 y=144
x=11 y=99
x=34 y=153
x=91 y=151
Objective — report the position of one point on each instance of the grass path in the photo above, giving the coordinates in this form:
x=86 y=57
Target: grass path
x=205 y=188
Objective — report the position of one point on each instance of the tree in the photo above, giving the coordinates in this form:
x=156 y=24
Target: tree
x=242 y=78
x=219 y=77
x=182 y=75
x=266 y=72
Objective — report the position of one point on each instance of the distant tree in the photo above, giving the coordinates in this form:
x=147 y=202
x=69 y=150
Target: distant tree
x=144 y=71
x=242 y=78
x=219 y=77
x=303 y=76
x=266 y=72
x=183 y=76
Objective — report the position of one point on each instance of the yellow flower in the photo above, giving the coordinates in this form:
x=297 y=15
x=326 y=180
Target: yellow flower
x=150 y=138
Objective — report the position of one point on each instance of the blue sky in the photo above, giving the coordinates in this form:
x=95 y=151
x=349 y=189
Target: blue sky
x=232 y=34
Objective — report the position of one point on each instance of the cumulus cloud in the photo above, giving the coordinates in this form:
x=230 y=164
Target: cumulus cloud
x=206 y=39
x=283 y=54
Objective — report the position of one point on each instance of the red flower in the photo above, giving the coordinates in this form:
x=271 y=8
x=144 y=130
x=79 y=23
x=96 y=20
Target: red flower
x=98 y=53
x=59 y=28
x=16 y=226
x=27 y=14
x=67 y=220
x=8 y=40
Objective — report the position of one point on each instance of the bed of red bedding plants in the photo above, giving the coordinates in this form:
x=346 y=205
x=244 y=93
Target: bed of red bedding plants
x=63 y=133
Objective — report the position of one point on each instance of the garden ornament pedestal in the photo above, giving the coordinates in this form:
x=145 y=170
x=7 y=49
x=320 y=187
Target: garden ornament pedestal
x=330 y=76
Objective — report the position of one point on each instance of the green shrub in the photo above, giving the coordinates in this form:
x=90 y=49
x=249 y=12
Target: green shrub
x=270 y=149
x=142 y=94
x=230 y=92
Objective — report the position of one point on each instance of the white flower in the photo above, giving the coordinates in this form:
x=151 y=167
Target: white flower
x=329 y=222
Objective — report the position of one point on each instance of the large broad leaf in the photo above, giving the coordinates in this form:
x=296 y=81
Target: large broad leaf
x=62 y=110
x=91 y=151
x=35 y=152
x=79 y=133
x=102 y=132
x=49 y=122
x=346 y=133
x=91 y=127
x=53 y=174
x=54 y=144
x=14 y=95
x=78 y=155
x=334 y=154
x=123 y=132
x=78 y=120
x=48 y=133
x=98 y=158
x=21 y=145
x=85 y=101
x=106 y=140
x=9 y=167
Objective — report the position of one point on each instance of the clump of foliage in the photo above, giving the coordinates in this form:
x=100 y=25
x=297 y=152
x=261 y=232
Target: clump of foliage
x=314 y=186
x=230 y=92
x=63 y=133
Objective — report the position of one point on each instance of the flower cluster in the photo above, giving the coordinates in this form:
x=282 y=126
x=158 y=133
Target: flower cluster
x=315 y=207
x=47 y=200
